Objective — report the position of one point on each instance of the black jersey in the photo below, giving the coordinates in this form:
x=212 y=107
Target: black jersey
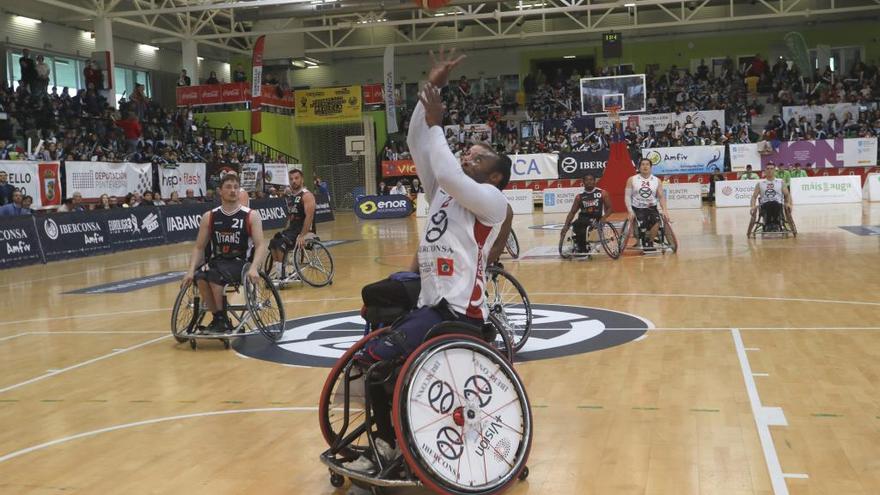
x=296 y=211
x=592 y=203
x=231 y=234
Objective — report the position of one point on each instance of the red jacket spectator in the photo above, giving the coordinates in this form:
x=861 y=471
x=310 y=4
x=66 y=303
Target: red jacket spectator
x=131 y=127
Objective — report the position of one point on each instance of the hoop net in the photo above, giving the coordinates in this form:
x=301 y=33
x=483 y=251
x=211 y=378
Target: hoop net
x=614 y=113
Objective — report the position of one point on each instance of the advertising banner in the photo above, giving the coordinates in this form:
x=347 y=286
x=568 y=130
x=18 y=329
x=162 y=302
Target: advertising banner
x=540 y=166
x=734 y=192
x=213 y=94
x=826 y=189
x=683 y=195
x=824 y=153
x=250 y=175
x=72 y=235
x=521 y=200
x=661 y=120
x=372 y=94
x=256 y=85
x=388 y=86
x=182 y=221
x=823 y=111
x=19 y=243
x=184 y=176
x=276 y=174
x=685 y=159
x=273 y=211
x=323 y=210
x=319 y=106
x=559 y=200
x=130 y=228
x=92 y=179
x=270 y=96
x=377 y=207
x=871 y=190
x=41 y=181
x=398 y=168
x=576 y=165
x=470 y=133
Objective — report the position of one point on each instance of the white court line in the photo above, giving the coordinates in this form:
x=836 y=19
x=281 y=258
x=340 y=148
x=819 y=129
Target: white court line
x=17 y=453
x=797 y=476
x=79 y=365
x=764 y=416
x=10 y=337
x=30 y=281
x=705 y=296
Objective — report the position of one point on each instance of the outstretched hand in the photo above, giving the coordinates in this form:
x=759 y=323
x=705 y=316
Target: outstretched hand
x=441 y=66
x=433 y=103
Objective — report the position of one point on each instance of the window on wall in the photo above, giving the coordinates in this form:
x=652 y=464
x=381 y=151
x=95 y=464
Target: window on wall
x=842 y=59
x=66 y=74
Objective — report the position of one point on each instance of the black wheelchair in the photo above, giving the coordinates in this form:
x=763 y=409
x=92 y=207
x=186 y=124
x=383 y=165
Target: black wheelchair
x=461 y=417
x=252 y=309
x=311 y=264
x=598 y=233
x=512 y=245
x=782 y=226
x=665 y=240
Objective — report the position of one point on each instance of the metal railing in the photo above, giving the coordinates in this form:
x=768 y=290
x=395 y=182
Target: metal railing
x=271 y=154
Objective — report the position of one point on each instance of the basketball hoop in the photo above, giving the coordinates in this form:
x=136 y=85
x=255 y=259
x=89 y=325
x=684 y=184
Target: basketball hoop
x=613 y=113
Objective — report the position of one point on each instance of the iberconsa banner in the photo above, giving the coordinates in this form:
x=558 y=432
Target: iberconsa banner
x=685 y=159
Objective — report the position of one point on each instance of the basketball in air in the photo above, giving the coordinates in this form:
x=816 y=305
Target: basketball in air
x=432 y=4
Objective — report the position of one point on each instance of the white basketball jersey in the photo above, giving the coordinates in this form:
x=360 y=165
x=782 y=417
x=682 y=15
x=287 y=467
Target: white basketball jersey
x=452 y=257
x=771 y=191
x=644 y=191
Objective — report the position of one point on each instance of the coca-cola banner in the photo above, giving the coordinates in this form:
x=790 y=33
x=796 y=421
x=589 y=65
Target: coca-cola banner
x=92 y=179
x=577 y=165
x=19 y=244
x=183 y=177
x=38 y=180
x=228 y=94
x=823 y=153
x=72 y=235
x=372 y=94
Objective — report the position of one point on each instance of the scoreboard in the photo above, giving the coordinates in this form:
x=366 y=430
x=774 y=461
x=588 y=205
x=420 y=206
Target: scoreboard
x=612 y=45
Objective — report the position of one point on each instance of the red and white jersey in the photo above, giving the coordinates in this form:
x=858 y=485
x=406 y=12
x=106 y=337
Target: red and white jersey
x=452 y=257
x=644 y=191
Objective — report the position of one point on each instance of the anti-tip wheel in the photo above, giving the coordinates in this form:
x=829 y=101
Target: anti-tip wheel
x=523 y=474
x=337 y=480
x=192 y=344
x=226 y=344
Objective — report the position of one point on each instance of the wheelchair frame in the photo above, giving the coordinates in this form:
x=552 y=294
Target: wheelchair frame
x=409 y=468
x=667 y=238
x=292 y=269
x=757 y=225
x=498 y=315
x=512 y=245
x=568 y=247
x=246 y=317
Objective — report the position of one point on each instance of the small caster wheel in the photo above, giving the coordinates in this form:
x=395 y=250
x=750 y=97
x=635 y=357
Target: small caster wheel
x=180 y=340
x=226 y=344
x=337 y=480
x=331 y=282
x=192 y=344
x=523 y=474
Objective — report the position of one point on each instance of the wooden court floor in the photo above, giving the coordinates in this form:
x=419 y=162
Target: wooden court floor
x=761 y=374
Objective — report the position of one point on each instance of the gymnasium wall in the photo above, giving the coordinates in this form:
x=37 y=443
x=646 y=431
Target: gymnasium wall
x=278 y=130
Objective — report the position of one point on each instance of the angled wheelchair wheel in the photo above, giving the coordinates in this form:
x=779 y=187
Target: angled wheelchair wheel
x=566 y=245
x=512 y=245
x=669 y=236
x=187 y=313
x=508 y=302
x=789 y=220
x=610 y=239
x=314 y=264
x=462 y=417
x=265 y=306
x=626 y=236
x=754 y=222
x=341 y=408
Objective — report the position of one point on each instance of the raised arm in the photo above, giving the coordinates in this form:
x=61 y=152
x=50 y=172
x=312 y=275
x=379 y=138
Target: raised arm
x=416 y=139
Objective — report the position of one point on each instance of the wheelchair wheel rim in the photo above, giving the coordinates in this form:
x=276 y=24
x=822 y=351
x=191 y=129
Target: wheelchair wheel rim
x=265 y=306
x=314 y=265
x=509 y=303
x=513 y=245
x=566 y=246
x=610 y=239
x=185 y=313
x=464 y=421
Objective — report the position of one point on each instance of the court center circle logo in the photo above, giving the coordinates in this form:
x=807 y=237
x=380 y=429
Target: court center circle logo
x=557 y=331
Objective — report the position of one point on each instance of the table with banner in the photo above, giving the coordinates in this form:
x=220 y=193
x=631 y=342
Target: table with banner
x=34 y=239
x=826 y=189
x=683 y=195
x=871 y=189
x=734 y=192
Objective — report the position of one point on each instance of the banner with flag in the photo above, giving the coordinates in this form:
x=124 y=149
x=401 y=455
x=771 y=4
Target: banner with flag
x=388 y=72
x=256 y=86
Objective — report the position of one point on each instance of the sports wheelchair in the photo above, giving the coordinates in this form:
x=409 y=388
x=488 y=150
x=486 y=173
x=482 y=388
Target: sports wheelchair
x=607 y=236
x=512 y=245
x=463 y=433
x=665 y=241
x=782 y=226
x=261 y=311
x=312 y=264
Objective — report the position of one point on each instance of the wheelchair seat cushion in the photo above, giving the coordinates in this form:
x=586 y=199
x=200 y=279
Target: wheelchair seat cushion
x=389 y=293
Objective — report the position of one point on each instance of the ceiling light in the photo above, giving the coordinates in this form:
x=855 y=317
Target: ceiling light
x=629 y=5
x=201 y=59
x=149 y=47
x=26 y=20
x=313 y=67
x=569 y=56
x=309 y=62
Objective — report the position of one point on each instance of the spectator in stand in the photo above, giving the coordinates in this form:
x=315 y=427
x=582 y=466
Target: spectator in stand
x=147 y=199
x=798 y=171
x=239 y=76
x=174 y=199
x=15 y=208
x=184 y=80
x=66 y=206
x=417 y=186
x=748 y=174
x=715 y=177
x=26 y=203
x=6 y=189
x=93 y=77
x=43 y=74
x=784 y=172
x=212 y=78
x=399 y=189
x=190 y=197
x=209 y=196
x=382 y=190
x=104 y=203
x=132 y=130
x=28 y=71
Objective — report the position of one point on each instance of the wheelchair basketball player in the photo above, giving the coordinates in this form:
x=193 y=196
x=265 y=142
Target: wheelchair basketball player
x=771 y=196
x=230 y=236
x=300 y=203
x=643 y=193
x=592 y=205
